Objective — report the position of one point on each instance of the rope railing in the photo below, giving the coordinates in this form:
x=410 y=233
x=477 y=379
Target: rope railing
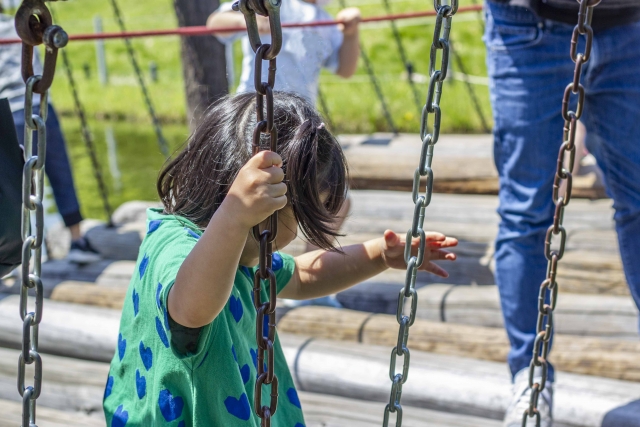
x=203 y=30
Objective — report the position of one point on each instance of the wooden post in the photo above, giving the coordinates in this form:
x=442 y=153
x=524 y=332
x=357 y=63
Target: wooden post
x=203 y=59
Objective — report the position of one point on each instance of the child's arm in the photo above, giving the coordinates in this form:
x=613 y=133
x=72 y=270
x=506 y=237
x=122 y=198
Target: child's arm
x=321 y=273
x=205 y=279
x=350 y=49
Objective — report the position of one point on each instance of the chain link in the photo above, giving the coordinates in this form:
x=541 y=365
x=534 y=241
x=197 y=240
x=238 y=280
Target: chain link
x=408 y=296
x=561 y=198
x=34 y=26
x=266 y=310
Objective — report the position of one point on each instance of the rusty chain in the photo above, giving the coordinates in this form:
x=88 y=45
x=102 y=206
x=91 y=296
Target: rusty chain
x=35 y=26
x=561 y=198
x=264 y=94
x=440 y=41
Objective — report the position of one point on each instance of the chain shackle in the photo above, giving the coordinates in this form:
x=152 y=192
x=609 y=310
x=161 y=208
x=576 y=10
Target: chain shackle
x=270 y=9
x=34 y=25
x=548 y=295
x=408 y=297
x=265 y=126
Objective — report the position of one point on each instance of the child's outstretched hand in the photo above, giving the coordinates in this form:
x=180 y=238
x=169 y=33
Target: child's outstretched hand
x=350 y=19
x=393 y=251
x=258 y=190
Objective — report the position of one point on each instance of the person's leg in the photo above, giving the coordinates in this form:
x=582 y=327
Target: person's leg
x=613 y=134
x=529 y=67
x=58 y=171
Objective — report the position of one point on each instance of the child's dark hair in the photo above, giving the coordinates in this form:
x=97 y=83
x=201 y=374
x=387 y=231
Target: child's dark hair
x=196 y=181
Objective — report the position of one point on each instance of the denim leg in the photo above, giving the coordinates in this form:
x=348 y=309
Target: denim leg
x=57 y=166
x=529 y=67
x=613 y=134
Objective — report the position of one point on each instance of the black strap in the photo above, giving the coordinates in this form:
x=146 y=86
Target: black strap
x=11 y=164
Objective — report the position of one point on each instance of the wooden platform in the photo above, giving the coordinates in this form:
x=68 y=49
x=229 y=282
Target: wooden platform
x=463 y=164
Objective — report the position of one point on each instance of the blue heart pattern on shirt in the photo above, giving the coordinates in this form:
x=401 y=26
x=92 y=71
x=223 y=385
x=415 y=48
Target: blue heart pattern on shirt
x=299 y=425
x=276 y=262
x=254 y=357
x=122 y=346
x=192 y=233
x=135 y=296
x=141 y=384
x=108 y=387
x=239 y=408
x=143 y=265
x=158 y=290
x=161 y=333
x=182 y=424
x=153 y=225
x=235 y=307
x=120 y=417
x=292 y=394
x=146 y=355
x=170 y=406
x=245 y=372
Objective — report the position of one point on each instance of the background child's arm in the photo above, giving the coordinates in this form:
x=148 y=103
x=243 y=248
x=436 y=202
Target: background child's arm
x=350 y=49
x=321 y=273
x=205 y=279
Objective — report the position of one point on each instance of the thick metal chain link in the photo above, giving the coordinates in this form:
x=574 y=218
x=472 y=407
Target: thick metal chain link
x=444 y=16
x=266 y=311
x=34 y=26
x=561 y=198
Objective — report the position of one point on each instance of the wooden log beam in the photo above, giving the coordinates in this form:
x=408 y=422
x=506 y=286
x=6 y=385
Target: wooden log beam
x=73 y=330
x=590 y=356
x=11 y=416
x=448 y=383
x=592 y=315
x=80 y=381
x=88 y=293
x=456 y=385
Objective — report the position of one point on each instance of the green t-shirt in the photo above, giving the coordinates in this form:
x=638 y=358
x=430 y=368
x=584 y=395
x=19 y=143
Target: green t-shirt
x=151 y=383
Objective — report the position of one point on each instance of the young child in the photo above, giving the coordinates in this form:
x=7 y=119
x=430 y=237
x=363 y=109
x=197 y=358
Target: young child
x=186 y=351
x=305 y=51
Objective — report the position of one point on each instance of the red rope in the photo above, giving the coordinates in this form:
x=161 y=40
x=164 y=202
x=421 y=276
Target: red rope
x=202 y=30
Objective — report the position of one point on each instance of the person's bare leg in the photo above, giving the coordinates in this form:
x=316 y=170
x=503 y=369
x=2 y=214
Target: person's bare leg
x=75 y=232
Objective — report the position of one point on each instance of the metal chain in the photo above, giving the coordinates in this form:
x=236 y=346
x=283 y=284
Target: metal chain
x=34 y=26
x=561 y=198
x=162 y=142
x=87 y=136
x=264 y=95
x=408 y=65
x=326 y=113
x=440 y=41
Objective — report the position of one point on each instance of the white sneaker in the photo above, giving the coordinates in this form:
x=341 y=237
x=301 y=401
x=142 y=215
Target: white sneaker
x=520 y=401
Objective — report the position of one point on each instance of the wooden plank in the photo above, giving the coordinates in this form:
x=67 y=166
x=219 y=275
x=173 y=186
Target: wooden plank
x=321 y=410
x=592 y=315
x=591 y=264
x=73 y=330
x=591 y=356
x=10 y=416
x=89 y=294
x=454 y=384
x=82 y=376
x=387 y=162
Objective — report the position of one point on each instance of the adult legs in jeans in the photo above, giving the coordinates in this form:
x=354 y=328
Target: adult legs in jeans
x=529 y=67
x=613 y=134
x=57 y=168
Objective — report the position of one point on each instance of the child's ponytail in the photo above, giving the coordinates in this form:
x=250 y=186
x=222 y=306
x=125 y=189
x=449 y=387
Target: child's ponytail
x=316 y=180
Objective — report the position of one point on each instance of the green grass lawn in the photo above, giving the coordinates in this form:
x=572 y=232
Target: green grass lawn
x=353 y=105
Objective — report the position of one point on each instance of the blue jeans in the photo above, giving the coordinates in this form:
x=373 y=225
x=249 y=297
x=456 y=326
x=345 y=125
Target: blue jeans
x=56 y=166
x=529 y=67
